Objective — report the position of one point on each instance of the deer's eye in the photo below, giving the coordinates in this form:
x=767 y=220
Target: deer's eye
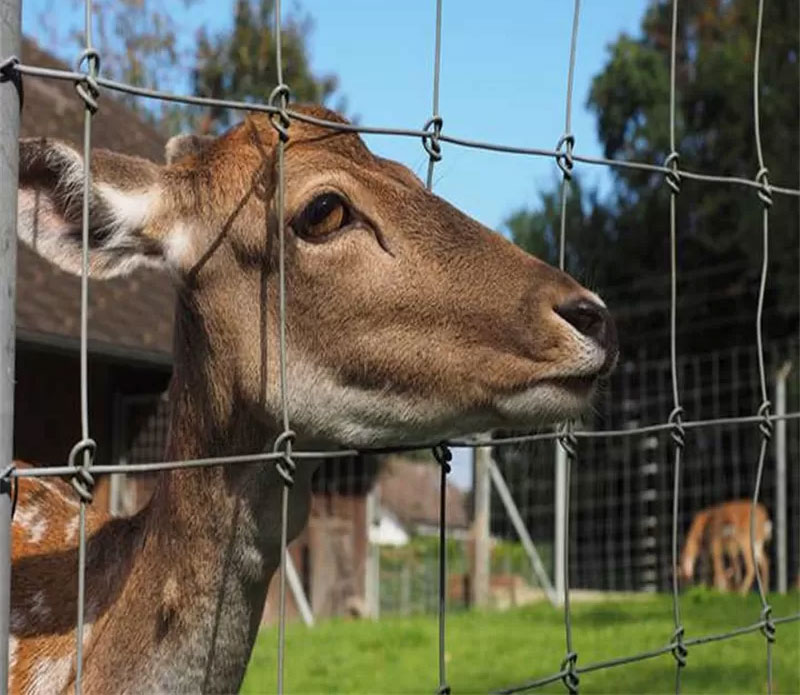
x=324 y=215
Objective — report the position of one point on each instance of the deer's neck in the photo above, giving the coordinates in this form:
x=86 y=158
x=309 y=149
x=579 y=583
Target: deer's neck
x=210 y=542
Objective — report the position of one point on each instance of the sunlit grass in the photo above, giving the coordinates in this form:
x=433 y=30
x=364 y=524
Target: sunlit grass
x=490 y=650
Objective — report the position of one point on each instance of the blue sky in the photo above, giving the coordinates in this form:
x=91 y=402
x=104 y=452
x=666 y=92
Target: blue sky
x=503 y=79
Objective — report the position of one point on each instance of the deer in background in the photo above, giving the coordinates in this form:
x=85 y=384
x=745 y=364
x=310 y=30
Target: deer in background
x=407 y=322
x=722 y=532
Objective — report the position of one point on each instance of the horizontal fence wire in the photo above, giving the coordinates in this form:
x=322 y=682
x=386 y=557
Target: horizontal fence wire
x=303 y=454
x=90 y=85
x=14 y=65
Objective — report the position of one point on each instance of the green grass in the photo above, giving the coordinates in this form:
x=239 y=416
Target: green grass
x=490 y=650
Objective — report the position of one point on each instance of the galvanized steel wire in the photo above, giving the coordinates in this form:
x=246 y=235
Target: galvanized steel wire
x=79 y=466
x=567 y=441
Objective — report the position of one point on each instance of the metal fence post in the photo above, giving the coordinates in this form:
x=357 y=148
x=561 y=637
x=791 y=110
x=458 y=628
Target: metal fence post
x=559 y=560
x=780 y=477
x=10 y=31
x=372 y=570
x=480 y=525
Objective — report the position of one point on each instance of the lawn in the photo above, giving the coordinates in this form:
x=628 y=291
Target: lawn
x=489 y=650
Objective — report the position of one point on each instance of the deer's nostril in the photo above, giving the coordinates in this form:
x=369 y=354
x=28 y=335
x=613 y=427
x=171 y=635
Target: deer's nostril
x=588 y=317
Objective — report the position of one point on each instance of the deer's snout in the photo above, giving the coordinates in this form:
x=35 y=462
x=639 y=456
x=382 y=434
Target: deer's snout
x=594 y=321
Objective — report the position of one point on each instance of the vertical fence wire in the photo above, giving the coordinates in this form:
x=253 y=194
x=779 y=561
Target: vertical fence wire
x=441 y=454
x=10 y=102
x=432 y=146
x=81 y=456
x=765 y=426
x=82 y=453
x=283 y=442
x=679 y=651
x=443 y=457
x=567 y=441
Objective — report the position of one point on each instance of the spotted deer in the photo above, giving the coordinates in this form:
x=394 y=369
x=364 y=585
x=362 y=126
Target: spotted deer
x=722 y=532
x=407 y=321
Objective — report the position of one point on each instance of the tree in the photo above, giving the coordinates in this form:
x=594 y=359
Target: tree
x=622 y=241
x=241 y=65
x=137 y=41
x=140 y=45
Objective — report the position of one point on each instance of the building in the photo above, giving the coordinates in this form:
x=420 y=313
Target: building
x=130 y=347
x=408 y=503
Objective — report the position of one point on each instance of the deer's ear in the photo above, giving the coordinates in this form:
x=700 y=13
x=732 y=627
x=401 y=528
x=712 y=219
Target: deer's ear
x=180 y=146
x=124 y=199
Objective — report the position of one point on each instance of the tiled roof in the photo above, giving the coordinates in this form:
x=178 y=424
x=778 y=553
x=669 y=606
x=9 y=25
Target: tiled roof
x=133 y=314
x=410 y=490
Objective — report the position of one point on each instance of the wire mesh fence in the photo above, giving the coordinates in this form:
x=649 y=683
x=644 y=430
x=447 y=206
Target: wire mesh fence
x=621 y=518
x=666 y=423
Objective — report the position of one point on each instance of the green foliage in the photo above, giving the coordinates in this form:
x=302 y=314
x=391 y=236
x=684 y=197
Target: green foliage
x=139 y=44
x=619 y=243
x=241 y=64
x=421 y=549
x=137 y=41
x=485 y=651
x=409 y=574
x=509 y=557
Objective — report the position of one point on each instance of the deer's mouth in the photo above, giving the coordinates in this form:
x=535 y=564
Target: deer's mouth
x=578 y=385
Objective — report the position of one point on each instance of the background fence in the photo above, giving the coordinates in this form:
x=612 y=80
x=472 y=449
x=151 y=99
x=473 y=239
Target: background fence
x=352 y=561
x=672 y=417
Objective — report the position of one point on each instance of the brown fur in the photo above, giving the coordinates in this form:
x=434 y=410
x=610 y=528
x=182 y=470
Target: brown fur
x=414 y=323
x=723 y=533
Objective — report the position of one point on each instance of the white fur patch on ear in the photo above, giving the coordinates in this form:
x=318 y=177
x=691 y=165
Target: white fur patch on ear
x=178 y=246
x=129 y=209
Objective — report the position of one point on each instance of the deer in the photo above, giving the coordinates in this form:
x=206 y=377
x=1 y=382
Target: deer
x=723 y=533
x=406 y=322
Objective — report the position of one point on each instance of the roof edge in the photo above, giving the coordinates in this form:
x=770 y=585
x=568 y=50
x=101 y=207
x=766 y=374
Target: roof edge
x=61 y=343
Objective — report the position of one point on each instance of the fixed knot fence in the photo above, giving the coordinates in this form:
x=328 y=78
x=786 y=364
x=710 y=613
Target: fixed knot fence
x=90 y=85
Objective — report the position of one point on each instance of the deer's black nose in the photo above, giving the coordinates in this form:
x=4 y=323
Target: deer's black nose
x=591 y=319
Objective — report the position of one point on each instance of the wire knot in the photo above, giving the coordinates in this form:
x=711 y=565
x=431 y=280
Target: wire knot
x=564 y=157
x=279 y=119
x=285 y=465
x=443 y=456
x=8 y=68
x=568 y=441
x=10 y=73
x=571 y=679
x=767 y=626
x=679 y=650
x=765 y=190
x=673 y=176
x=431 y=141
x=87 y=87
x=6 y=476
x=443 y=690
x=766 y=423
x=678 y=431
x=83 y=481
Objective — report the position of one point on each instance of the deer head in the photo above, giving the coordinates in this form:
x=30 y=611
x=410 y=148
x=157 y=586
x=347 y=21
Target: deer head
x=406 y=319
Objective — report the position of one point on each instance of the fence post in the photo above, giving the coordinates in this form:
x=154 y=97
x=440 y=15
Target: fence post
x=780 y=476
x=559 y=561
x=10 y=30
x=481 y=487
x=372 y=569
